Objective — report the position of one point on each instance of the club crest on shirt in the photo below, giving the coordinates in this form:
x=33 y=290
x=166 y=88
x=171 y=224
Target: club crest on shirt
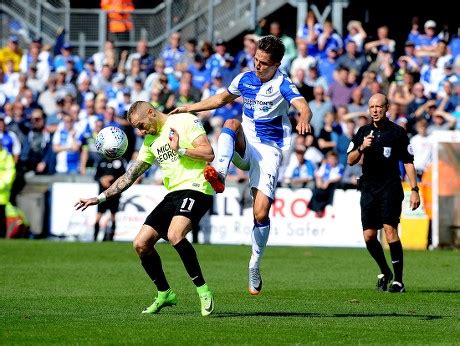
x=198 y=123
x=269 y=90
x=387 y=152
x=410 y=150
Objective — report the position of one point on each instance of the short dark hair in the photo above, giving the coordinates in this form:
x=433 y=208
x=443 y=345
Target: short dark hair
x=273 y=46
x=137 y=107
x=192 y=41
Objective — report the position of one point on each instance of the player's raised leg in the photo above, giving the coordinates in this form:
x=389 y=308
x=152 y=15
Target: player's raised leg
x=226 y=145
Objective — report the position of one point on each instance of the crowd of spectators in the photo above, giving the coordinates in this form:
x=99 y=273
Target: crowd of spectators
x=52 y=104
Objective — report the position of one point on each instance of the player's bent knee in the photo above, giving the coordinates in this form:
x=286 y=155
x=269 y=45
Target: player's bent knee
x=232 y=124
x=260 y=218
x=261 y=215
x=391 y=236
x=391 y=232
x=369 y=235
x=174 y=238
x=140 y=246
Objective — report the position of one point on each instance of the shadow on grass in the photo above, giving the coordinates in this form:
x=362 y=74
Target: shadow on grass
x=439 y=291
x=319 y=315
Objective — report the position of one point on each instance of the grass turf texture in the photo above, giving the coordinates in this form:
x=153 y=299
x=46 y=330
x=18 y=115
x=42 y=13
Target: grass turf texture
x=93 y=293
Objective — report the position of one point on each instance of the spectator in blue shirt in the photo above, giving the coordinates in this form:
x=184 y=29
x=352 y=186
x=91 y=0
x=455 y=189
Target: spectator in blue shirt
x=201 y=75
x=173 y=53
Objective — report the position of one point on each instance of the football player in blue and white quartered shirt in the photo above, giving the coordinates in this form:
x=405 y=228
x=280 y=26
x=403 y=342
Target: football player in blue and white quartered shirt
x=258 y=141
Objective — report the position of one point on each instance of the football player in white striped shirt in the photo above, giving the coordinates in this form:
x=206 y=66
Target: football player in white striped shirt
x=256 y=143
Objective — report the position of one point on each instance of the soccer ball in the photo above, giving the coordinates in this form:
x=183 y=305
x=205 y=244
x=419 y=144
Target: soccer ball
x=111 y=142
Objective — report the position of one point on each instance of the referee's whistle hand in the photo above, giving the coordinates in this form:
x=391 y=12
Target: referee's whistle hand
x=368 y=140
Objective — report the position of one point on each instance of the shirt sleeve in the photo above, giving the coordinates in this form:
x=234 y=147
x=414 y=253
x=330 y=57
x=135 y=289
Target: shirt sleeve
x=233 y=87
x=406 y=153
x=194 y=128
x=289 y=90
x=356 y=141
x=145 y=154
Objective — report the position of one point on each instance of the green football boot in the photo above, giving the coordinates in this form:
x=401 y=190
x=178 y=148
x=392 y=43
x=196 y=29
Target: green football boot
x=206 y=299
x=166 y=298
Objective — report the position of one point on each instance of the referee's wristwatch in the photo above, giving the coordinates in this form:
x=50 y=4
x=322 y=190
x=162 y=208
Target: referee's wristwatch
x=416 y=189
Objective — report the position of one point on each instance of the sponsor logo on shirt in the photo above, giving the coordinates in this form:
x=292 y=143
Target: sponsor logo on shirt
x=165 y=152
x=249 y=86
x=251 y=104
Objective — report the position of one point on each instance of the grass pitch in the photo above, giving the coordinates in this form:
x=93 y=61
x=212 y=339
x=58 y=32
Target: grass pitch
x=93 y=293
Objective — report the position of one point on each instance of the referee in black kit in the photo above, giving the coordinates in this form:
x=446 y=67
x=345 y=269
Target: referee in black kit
x=383 y=144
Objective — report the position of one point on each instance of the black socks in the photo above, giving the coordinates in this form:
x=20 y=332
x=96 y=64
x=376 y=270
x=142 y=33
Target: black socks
x=152 y=265
x=375 y=249
x=396 y=252
x=188 y=256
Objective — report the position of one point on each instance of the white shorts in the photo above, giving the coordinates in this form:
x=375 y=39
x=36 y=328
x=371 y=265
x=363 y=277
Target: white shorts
x=263 y=162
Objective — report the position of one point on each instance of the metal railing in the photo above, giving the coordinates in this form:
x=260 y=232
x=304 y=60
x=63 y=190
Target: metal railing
x=31 y=18
x=86 y=29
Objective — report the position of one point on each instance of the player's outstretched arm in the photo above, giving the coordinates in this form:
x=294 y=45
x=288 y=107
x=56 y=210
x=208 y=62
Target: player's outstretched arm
x=121 y=184
x=212 y=102
x=303 y=124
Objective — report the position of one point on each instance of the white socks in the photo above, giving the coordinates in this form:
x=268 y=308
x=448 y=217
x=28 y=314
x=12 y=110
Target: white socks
x=225 y=149
x=259 y=241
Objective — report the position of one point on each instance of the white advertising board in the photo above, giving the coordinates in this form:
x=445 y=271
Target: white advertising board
x=135 y=204
x=291 y=222
x=229 y=223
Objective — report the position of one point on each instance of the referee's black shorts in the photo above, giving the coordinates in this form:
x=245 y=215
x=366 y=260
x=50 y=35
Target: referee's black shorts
x=381 y=203
x=189 y=203
x=112 y=204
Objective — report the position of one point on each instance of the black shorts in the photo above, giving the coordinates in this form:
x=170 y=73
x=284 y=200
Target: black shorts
x=189 y=203
x=111 y=204
x=381 y=203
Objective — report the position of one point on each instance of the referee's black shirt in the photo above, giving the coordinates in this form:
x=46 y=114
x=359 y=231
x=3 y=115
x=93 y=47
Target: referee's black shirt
x=115 y=168
x=390 y=145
